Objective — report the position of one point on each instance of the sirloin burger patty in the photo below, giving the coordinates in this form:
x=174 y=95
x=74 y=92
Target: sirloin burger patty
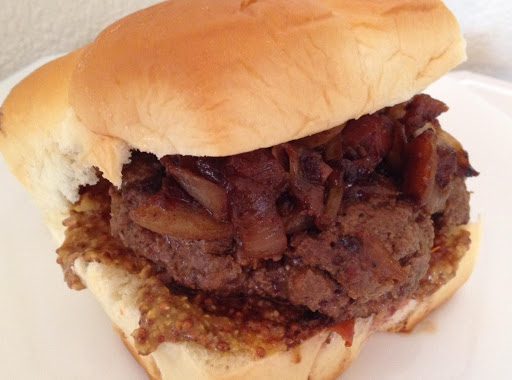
x=250 y=188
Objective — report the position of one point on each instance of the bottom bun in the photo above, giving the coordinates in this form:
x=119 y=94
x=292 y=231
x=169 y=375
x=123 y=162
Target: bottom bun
x=322 y=356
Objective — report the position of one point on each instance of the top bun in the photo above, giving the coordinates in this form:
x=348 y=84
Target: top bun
x=216 y=78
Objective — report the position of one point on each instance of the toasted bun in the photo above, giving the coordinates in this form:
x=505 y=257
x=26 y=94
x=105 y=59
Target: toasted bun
x=323 y=356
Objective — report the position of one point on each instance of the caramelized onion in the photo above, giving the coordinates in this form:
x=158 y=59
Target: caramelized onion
x=211 y=169
x=378 y=187
x=321 y=138
x=421 y=166
x=174 y=217
x=420 y=110
x=464 y=167
x=297 y=222
x=368 y=139
x=210 y=195
x=333 y=150
x=259 y=166
x=397 y=111
x=314 y=168
x=294 y=218
x=396 y=155
x=279 y=153
x=447 y=163
x=256 y=220
x=310 y=195
x=334 y=196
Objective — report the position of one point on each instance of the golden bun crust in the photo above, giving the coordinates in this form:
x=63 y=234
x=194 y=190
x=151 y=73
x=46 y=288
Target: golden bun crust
x=321 y=357
x=216 y=78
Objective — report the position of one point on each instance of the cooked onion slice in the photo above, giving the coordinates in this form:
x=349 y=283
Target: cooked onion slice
x=256 y=220
x=368 y=139
x=447 y=163
x=174 y=217
x=210 y=195
x=333 y=150
x=297 y=222
x=310 y=195
x=421 y=109
x=259 y=166
x=321 y=138
x=314 y=168
x=396 y=155
x=334 y=196
x=464 y=167
x=420 y=167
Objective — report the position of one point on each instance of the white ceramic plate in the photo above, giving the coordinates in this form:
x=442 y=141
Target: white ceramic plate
x=50 y=332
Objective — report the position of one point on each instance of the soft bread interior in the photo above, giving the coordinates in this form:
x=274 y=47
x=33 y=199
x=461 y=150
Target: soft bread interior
x=47 y=148
x=323 y=356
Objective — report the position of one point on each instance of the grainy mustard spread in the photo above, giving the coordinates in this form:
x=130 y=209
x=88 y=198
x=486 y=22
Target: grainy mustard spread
x=247 y=324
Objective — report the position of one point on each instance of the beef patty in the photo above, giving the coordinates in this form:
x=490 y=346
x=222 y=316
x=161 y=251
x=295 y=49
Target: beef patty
x=340 y=222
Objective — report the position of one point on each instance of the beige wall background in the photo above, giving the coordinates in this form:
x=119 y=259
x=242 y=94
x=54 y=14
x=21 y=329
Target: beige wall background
x=31 y=29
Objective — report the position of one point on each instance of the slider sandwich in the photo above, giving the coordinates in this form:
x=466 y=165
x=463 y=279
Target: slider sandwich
x=251 y=188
